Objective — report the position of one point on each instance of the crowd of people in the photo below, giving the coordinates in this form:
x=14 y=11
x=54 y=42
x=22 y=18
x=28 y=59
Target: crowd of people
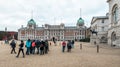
x=31 y=45
x=38 y=47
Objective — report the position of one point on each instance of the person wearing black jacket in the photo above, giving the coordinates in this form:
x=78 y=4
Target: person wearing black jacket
x=46 y=46
x=21 y=49
x=37 y=42
x=13 y=45
x=42 y=46
x=69 y=46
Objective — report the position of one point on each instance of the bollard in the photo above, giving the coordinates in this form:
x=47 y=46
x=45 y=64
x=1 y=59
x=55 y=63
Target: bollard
x=81 y=46
x=1 y=42
x=97 y=48
x=50 y=43
x=94 y=42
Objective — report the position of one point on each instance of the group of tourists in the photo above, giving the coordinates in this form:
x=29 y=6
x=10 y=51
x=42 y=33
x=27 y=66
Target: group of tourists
x=41 y=46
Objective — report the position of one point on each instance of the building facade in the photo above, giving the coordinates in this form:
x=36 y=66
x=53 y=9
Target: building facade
x=88 y=33
x=100 y=25
x=8 y=35
x=60 y=32
x=114 y=19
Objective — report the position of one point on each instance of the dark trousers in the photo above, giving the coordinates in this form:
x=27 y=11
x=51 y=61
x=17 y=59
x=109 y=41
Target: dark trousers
x=46 y=49
x=13 y=49
x=22 y=52
x=33 y=50
x=42 y=50
x=28 y=51
x=69 y=48
x=63 y=49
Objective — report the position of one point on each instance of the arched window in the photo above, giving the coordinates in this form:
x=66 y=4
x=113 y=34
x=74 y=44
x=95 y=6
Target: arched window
x=115 y=14
x=113 y=36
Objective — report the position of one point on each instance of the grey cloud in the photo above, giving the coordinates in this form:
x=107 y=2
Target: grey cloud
x=18 y=12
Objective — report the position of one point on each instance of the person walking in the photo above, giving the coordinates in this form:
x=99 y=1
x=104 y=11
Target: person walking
x=46 y=46
x=13 y=46
x=33 y=47
x=37 y=42
x=69 y=46
x=21 y=49
x=42 y=45
x=28 y=45
x=63 y=46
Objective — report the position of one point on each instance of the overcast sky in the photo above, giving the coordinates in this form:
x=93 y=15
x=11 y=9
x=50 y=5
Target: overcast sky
x=14 y=13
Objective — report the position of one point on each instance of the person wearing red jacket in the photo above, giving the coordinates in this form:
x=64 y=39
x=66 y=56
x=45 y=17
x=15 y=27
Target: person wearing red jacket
x=63 y=46
x=33 y=47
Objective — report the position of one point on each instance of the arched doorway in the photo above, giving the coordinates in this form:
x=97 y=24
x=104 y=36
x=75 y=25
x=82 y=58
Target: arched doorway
x=113 y=38
x=103 y=39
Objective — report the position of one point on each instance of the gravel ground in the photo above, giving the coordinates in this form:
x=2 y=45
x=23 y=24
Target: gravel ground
x=87 y=57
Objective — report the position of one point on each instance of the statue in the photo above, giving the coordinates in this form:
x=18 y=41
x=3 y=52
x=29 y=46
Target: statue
x=93 y=32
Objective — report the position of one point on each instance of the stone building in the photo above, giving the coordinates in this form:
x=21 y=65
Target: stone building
x=88 y=33
x=100 y=25
x=114 y=19
x=60 y=32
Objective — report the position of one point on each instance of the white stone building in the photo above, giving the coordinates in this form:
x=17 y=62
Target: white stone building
x=100 y=25
x=114 y=19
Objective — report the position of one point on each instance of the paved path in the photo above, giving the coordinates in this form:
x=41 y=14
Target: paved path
x=87 y=57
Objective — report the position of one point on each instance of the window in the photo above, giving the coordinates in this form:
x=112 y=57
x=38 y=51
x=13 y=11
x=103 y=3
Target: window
x=115 y=14
x=102 y=28
x=102 y=21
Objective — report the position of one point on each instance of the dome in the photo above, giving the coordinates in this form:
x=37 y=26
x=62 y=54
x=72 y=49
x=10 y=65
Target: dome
x=31 y=22
x=80 y=22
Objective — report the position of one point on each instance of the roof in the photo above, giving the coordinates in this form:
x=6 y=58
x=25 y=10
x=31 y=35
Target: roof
x=39 y=28
x=108 y=0
x=70 y=27
x=31 y=21
x=80 y=21
x=98 y=17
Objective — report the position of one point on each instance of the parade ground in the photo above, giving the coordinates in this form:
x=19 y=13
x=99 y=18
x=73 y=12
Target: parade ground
x=85 y=57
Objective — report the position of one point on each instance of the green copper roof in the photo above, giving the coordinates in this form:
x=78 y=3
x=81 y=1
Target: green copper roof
x=31 y=21
x=80 y=21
